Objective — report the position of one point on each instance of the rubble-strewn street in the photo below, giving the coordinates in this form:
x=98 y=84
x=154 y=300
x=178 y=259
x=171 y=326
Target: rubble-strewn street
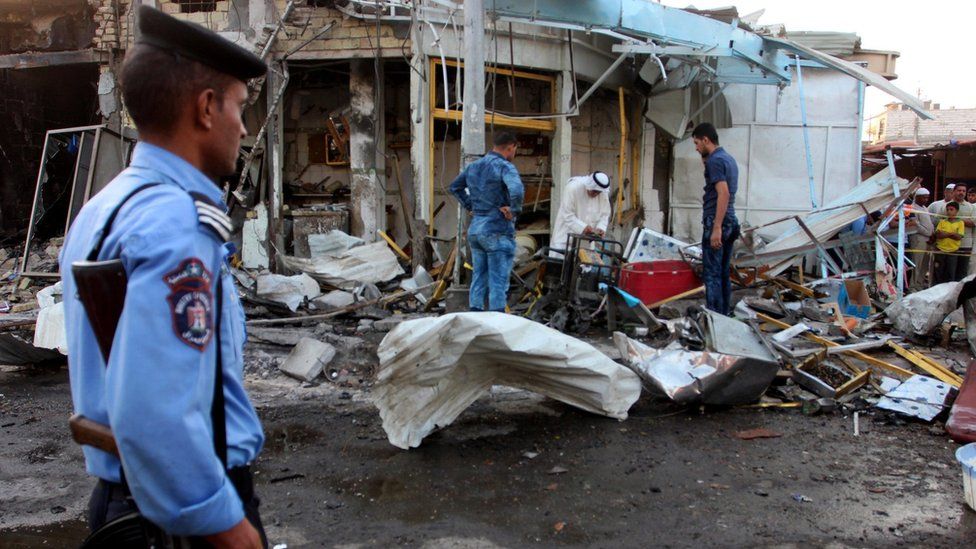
x=518 y=470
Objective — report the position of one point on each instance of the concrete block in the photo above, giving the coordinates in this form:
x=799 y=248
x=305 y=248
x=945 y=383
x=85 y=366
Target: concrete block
x=334 y=300
x=170 y=7
x=308 y=358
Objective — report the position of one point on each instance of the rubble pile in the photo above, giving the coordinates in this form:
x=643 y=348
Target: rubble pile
x=29 y=301
x=359 y=316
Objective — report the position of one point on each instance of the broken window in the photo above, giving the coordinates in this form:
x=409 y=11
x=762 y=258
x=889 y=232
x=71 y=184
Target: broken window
x=194 y=6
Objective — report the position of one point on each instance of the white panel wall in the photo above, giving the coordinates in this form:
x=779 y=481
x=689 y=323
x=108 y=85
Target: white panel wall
x=767 y=142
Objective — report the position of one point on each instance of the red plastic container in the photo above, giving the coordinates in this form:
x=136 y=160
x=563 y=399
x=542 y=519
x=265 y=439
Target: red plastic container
x=654 y=281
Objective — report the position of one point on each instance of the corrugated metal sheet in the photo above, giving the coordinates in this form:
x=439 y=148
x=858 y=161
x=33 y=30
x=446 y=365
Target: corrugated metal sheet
x=840 y=44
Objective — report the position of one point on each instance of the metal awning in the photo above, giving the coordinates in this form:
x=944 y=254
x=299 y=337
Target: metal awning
x=854 y=71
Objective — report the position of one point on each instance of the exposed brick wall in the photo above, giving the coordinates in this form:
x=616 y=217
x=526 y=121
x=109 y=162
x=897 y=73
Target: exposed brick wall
x=349 y=38
x=110 y=18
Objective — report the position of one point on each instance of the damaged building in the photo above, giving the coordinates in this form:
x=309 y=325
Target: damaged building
x=358 y=124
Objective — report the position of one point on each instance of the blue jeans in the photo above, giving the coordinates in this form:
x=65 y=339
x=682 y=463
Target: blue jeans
x=718 y=285
x=492 y=257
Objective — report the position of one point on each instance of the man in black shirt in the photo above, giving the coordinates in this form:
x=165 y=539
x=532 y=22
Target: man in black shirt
x=720 y=228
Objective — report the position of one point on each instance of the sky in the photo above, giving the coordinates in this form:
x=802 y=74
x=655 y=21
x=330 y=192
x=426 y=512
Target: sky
x=932 y=37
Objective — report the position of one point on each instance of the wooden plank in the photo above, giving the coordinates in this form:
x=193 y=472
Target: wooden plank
x=936 y=364
x=499 y=120
x=506 y=72
x=858 y=381
x=789 y=284
x=855 y=354
x=32 y=60
x=683 y=295
x=447 y=271
x=925 y=365
x=393 y=245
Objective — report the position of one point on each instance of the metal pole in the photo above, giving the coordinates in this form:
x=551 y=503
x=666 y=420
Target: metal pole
x=473 y=123
x=901 y=225
x=596 y=85
x=806 y=144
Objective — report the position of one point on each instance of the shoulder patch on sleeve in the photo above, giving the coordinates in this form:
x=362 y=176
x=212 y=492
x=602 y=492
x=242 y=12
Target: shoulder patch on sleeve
x=213 y=217
x=191 y=302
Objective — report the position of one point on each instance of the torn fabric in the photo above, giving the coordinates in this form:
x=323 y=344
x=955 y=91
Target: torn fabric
x=432 y=369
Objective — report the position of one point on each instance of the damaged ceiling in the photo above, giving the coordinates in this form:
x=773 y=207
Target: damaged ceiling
x=48 y=25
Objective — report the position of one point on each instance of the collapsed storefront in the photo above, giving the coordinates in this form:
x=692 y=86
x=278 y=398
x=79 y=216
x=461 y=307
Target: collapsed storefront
x=357 y=126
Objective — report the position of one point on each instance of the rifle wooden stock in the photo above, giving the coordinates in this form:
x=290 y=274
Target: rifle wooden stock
x=91 y=433
x=101 y=288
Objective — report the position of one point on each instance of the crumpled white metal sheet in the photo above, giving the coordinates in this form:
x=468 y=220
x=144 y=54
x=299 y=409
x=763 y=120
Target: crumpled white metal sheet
x=873 y=194
x=921 y=396
x=697 y=377
x=367 y=264
x=432 y=369
x=290 y=291
x=923 y=311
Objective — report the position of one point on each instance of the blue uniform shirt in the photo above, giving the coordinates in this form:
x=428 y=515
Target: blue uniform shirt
x=719 y=166
x=157 y=390
x=486 y=185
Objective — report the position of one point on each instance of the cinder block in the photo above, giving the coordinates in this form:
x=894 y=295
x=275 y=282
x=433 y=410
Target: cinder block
x=170 y=8
x=308 y=358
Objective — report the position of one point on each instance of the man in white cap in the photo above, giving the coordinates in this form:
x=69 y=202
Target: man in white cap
x=584 y=209
x=920 y=240
x=946 y=197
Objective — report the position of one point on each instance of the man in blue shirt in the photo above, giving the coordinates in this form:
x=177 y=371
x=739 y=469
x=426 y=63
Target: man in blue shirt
x=720 y=228
x=491 y=190
x=185 y=89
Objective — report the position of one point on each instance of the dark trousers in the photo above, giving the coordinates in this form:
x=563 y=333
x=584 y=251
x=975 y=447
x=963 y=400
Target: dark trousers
x=962 y=264
x=945 y=268
x=718 y=285
x=110 y=500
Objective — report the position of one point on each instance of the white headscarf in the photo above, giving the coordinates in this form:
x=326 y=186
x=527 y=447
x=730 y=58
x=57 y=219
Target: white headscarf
x=597 y=181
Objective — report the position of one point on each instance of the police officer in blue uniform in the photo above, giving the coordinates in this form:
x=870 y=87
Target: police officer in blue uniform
x=164 y=220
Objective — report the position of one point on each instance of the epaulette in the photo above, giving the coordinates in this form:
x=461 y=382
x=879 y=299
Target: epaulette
x=213 y=217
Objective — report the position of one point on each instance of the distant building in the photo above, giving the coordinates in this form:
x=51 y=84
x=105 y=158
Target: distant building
x=898 y=124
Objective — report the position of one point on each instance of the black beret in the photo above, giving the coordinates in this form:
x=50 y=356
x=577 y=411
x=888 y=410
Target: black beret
x=197 y=43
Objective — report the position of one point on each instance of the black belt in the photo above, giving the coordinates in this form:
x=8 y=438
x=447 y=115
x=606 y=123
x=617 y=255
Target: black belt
x=241 y=477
